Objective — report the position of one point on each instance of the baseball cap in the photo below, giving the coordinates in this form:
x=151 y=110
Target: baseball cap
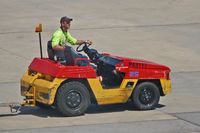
x=65 y=18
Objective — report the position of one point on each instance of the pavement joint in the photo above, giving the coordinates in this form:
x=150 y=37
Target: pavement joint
x=176 y=115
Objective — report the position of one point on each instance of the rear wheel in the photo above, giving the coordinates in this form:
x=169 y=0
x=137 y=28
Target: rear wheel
x=146 y=96
x=72 y=99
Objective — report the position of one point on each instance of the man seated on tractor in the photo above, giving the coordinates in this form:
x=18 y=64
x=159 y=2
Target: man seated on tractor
x=61 y=37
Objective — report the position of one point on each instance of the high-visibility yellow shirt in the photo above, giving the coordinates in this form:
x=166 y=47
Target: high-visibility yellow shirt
x=61 y=38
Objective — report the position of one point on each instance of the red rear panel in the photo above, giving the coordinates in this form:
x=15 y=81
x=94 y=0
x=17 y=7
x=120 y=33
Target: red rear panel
x=55 y=69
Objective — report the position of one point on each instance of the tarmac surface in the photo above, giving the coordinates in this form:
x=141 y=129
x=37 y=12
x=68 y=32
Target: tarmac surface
x=166 y=32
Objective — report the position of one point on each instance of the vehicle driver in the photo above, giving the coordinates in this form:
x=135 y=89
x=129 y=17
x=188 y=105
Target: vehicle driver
x=61 y=37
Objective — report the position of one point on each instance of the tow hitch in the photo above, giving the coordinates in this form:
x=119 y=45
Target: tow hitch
x=14 y=106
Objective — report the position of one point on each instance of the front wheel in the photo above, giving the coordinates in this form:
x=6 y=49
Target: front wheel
x=146 y=96
x=72 y=99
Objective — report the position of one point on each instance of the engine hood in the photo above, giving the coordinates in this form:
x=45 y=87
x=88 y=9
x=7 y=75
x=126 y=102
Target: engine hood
x=138 y=63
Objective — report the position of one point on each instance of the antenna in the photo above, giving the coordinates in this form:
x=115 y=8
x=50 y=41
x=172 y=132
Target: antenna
x=38 y=29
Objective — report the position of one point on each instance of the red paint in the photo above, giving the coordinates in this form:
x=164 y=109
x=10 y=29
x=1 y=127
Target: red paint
x=133 y=69
x=55 y=69
x=145 y=69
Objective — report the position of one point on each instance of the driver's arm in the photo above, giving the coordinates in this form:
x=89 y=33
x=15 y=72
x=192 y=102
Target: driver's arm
x=56 y=39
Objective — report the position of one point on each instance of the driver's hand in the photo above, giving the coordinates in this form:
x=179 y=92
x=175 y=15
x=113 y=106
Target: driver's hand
x=88 y=42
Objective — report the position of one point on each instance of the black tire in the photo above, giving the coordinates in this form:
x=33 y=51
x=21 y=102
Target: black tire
x=72 y=99
x=146 y=96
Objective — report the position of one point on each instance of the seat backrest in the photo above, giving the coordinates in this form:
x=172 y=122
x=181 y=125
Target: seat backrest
x=50 y=50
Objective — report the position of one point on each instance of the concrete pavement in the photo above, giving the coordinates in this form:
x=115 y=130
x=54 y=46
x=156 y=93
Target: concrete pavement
x=166 y=32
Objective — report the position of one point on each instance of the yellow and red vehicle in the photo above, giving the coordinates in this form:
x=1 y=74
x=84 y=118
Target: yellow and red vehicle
x=72 y=87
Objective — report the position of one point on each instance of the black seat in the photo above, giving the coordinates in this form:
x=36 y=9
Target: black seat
x=50 y=51
x=70 y=54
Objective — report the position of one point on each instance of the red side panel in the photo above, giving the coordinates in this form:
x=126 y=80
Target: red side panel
x=146 y=74
x=46 y=66
x=139 y=69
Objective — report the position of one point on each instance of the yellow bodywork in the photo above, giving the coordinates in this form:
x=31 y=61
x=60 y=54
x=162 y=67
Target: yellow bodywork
x=43 y=88
x=114 y=95
x=39 y=88
x=166 y=86
x=122 y=94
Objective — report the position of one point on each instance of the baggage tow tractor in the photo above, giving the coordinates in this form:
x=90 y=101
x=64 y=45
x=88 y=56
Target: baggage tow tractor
x=98 y=78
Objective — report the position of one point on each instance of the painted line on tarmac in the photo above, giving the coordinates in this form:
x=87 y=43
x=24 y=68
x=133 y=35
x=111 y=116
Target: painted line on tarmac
x=9 y=82
x=186 y=72
x=114 y=27
x=12 y=53
x=139 y=26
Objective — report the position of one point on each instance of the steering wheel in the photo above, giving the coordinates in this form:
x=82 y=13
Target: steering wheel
x=79 y=49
